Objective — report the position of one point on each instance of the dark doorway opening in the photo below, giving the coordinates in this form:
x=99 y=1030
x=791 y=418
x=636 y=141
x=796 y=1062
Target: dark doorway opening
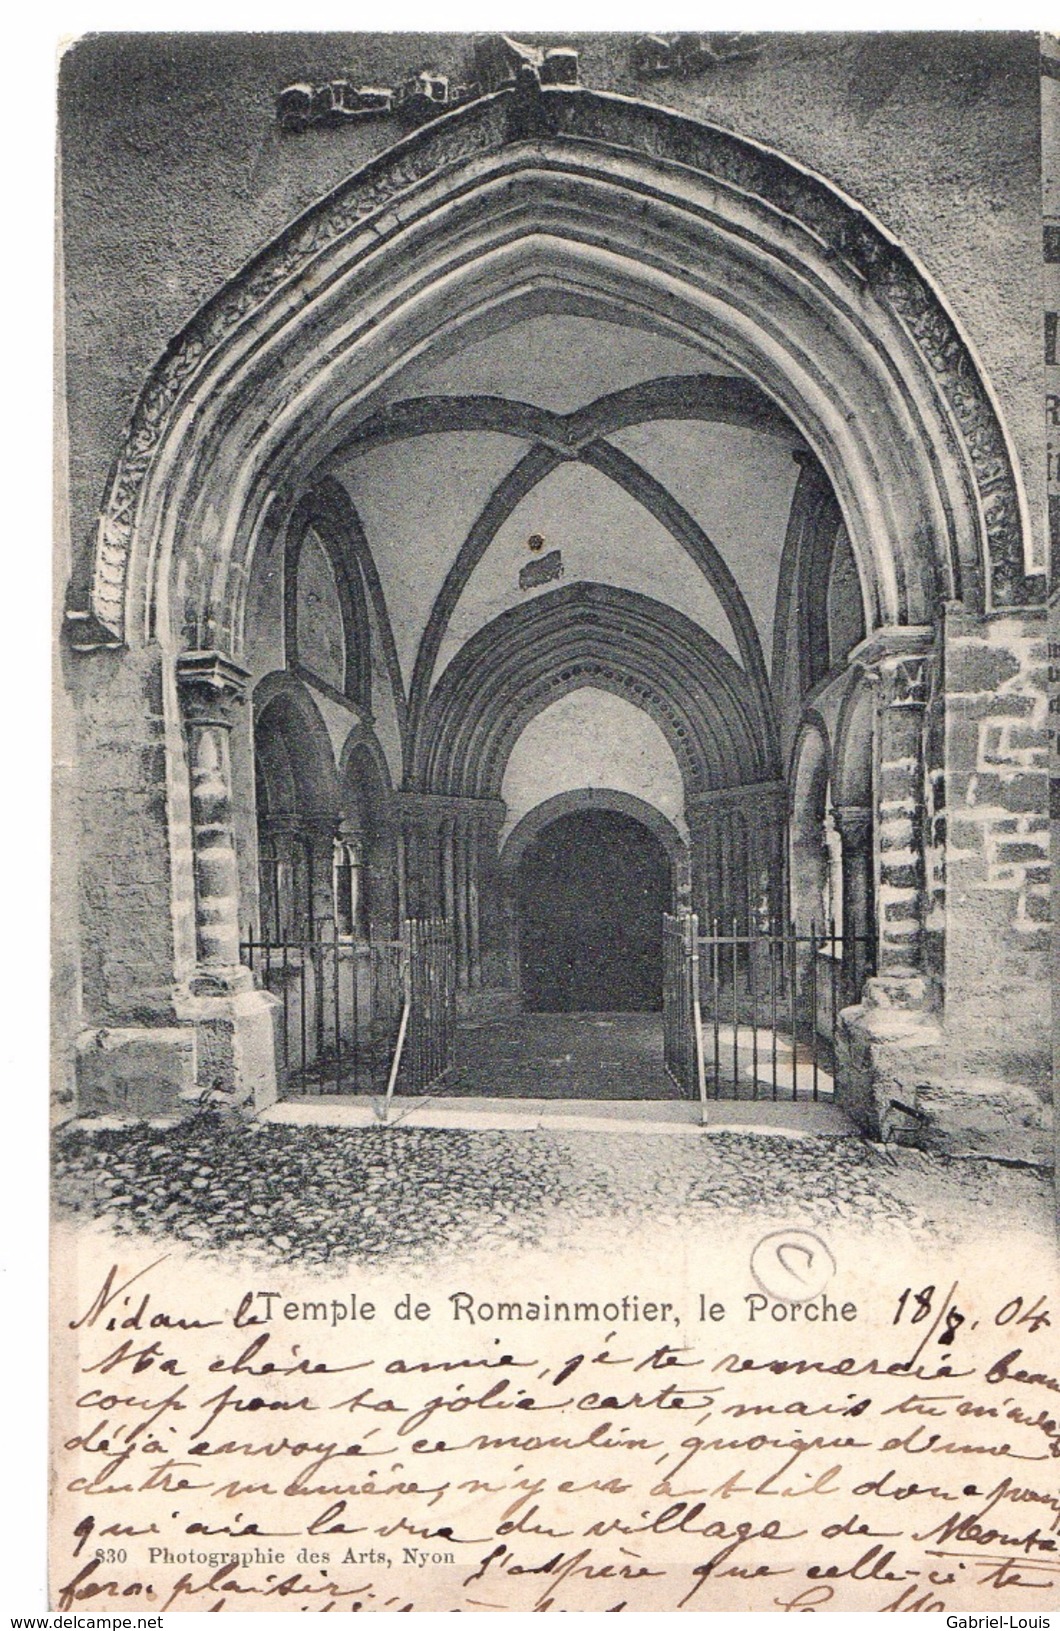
x=593 y=887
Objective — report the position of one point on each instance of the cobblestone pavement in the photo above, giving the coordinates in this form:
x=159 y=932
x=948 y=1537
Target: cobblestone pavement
x=332 y=1197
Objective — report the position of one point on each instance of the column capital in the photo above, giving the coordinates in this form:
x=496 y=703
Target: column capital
x=897 y=659
x=211 y=686
x=431 y=809
x=854 y=823
x=729 y=798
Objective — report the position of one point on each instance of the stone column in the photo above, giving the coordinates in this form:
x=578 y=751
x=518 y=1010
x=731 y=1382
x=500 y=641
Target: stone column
x=211 y=688
x=898 y=660
x=854 y=824
x=900 y=718
x=725 y=869
x=236 y=1050
x=716 y=873
x=402 y=875
x=448 y=874
x=413 y=868
x=319 y=837
x=350 y=852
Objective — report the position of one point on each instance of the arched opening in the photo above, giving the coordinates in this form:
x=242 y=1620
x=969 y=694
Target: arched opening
x=798 y=321
x=364 y=850
x=592 y=888
x=297 y=813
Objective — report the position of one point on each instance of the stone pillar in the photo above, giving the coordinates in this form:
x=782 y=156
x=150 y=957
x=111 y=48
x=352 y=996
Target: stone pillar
x=211 y=687
x=402 y=875
x=716 y=900
x=319 y=838
x=235 y=1025
x=897 y=659
x=854 y=824
x=738 y=838
x=349 y=853
x=902 y=699
x=448 y=872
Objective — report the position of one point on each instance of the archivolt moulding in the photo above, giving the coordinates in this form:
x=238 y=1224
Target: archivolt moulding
x=681 y=180
x=551 y=809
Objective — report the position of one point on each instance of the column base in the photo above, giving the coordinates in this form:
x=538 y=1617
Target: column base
x=904 y=1082
x=238 y=1050
x=224 y=1052
x=901 y=992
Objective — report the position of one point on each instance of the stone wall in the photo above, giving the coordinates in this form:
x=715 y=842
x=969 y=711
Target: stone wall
x=997 y=854
x=959 y=1059
x=126 y=916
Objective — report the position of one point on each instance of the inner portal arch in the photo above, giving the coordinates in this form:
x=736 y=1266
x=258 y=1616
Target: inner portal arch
x=592 y=740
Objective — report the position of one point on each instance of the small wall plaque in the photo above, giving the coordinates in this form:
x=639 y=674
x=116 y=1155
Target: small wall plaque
x=535 y=573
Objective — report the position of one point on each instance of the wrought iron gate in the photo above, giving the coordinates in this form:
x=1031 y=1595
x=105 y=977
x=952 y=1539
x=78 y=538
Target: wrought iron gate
x=346 y=1004
x=682 y=1019
x=754 y=1014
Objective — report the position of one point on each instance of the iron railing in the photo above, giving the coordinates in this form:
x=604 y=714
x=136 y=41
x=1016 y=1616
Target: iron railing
x=768 y=1002
x=341 y=1006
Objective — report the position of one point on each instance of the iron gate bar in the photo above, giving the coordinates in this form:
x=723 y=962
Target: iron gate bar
x=716 y=957
x=735 y=1016
x=813 y=1002
x=349 y=995
x=802 y=1013
x=772 y=1017
x=792 y=978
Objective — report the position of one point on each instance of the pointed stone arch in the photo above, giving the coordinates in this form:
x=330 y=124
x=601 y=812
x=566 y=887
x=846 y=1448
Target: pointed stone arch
x=799 y=289
x=616 y=640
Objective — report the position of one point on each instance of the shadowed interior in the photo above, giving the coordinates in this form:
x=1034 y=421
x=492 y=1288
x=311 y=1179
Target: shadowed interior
x=592 y=890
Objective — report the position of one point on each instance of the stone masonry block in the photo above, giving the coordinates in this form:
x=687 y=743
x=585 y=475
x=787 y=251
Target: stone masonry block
x=897 y=784
x=1008 y=744
x=903 y=736
x=975 y=667
x=134 y=1070
x=899 y=877
x=985 y=705
x=1024 y=790
x=980 y=1116
x=1020 y=851
x=1033 y=738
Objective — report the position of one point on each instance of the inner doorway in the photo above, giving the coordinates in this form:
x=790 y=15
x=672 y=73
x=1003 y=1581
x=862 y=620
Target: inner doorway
x=592 y=889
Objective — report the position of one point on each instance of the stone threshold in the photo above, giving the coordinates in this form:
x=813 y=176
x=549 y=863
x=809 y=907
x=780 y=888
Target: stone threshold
x=782 y=1119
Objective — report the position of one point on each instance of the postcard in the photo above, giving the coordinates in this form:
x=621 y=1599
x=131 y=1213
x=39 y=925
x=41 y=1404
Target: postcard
x=553 y=962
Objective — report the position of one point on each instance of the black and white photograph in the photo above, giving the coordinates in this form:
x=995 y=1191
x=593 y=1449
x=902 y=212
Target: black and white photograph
x=551 y=848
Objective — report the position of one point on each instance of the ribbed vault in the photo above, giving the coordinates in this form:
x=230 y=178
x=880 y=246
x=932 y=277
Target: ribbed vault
x=578 y=436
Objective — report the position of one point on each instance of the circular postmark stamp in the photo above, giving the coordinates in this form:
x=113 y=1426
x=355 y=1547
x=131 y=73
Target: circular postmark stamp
x=792 y=1265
